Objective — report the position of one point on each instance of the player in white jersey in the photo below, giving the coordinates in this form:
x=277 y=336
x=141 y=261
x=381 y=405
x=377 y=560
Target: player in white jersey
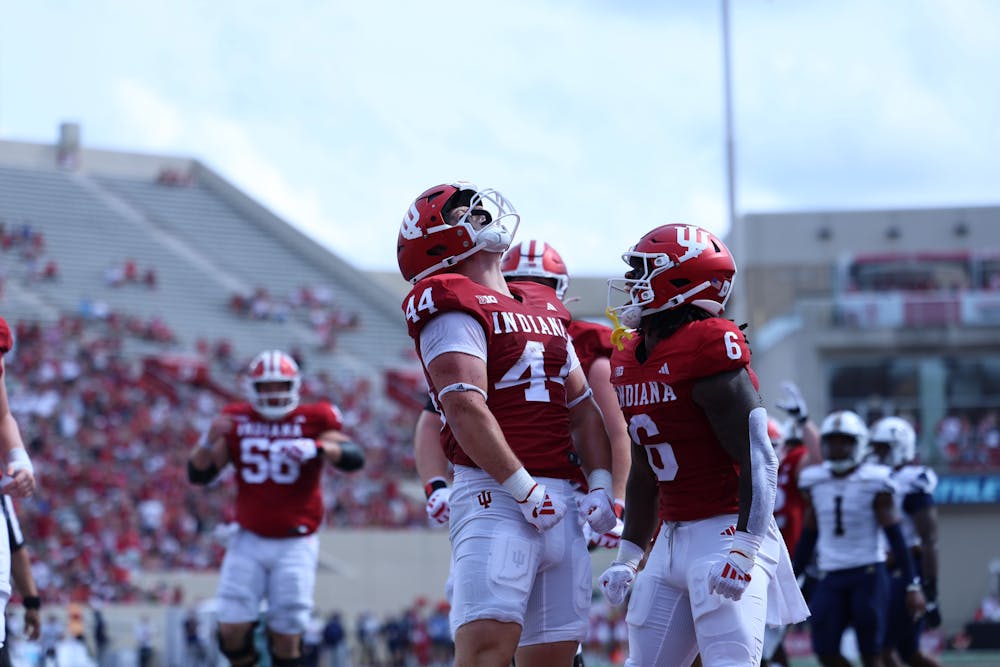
x=893 y=443
x=850 y=517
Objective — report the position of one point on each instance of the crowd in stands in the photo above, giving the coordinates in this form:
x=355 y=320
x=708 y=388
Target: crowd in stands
x=313 y=305
x=129 y=273
x=110 y=443
x=27 y=245
x=175 y=178
x=969 y=439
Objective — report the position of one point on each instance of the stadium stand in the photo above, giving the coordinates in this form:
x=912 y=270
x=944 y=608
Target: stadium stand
x=205 y=242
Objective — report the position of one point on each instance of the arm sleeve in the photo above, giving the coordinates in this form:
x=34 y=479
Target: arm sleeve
x=764 y=474
x=452 y=332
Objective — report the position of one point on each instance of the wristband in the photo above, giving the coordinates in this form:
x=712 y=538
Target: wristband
x=433 y=484
x=18 y=459
x=629 y=553
x=746 y=544
x=32 y=602
x=599 y=479
x=520 y=484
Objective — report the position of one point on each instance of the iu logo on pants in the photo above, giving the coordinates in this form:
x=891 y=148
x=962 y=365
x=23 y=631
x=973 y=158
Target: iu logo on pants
x=485 y=498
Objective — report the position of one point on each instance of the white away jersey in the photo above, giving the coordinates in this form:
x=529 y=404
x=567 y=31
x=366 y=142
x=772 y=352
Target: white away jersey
x=912 y=480
x=849 y=532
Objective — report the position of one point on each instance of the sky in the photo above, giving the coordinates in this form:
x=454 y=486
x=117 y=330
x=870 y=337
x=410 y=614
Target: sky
x=599 y=120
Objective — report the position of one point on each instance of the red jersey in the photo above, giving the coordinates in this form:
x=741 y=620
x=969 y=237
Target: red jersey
x=276 y=496
x=527 y=364
x=789 y=503
x=697 y=478
x=6 y=340
x=591 y=341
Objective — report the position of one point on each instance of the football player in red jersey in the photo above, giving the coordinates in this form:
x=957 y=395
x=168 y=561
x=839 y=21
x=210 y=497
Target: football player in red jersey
x=18 y=477
x=277 y=447
x=519 y=418
x=718 y=569
x=537 y=261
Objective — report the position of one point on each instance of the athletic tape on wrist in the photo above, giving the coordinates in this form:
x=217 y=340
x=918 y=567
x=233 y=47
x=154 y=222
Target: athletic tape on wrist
x=520 y=484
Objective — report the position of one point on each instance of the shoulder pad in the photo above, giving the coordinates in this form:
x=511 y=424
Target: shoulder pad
x=447 y=292
x=812 y=475
x=876 y=476
x=590 y=339
x=237 y=409
x=327 y=414
x=540 y=296
x=916 y=479
x=719 y=346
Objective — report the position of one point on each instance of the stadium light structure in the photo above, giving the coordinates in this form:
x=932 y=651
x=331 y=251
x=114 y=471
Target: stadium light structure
x=739 y=310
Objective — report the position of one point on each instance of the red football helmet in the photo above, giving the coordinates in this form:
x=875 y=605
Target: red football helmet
x=277 y=400
x=673 y=265
x=429 y=241
x=536 y=259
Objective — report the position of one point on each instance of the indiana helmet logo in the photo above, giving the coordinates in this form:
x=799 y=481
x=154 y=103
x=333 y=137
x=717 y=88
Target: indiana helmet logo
x=485 y=498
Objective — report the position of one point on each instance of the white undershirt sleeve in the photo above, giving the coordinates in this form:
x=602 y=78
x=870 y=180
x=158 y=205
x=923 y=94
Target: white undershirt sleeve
x=453 y=331
x=574 y=361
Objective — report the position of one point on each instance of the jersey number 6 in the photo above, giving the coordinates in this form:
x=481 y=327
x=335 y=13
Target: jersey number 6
x=660 y=454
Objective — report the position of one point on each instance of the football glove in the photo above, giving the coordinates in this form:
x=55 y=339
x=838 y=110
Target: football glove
x=730 y=576
x=439 y=506
x=792 y=402
x=542 y=510
x=297 y=449
x=598 y=510
x=617 y=579
x=609 y=539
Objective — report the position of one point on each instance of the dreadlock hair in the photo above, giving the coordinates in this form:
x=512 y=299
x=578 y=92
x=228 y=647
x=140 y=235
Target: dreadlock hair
x=664 y=323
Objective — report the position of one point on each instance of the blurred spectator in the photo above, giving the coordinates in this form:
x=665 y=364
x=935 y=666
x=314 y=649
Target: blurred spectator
x=144 y=641
x=333 y=641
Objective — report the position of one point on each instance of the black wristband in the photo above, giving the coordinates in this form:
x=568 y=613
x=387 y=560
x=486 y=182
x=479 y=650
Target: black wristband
x=32 y=602
x=433 y=485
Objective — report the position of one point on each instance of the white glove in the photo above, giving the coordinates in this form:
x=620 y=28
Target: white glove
x=439 y=506
x=598 y=510
x=617 y=579
x=541 y=510
x=792 y=402
x=731 y=576
x=297 y=449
